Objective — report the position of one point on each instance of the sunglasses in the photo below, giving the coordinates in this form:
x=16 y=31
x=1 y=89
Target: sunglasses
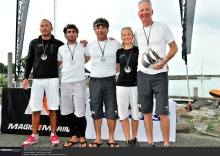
x=144 y=1
x=100 y=24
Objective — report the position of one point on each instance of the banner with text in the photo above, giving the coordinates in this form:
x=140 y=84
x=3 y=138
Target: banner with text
x=16 y=114
x=21 y=16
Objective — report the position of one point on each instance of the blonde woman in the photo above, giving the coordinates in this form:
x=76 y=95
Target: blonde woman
x=127 y=61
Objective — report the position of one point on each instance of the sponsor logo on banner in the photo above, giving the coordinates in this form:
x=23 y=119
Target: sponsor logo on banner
x=155 y=117
x=40 y=127
x=45 y=111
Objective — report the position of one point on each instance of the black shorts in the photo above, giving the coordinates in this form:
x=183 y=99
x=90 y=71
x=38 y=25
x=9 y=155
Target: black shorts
x=150 y=85
x=103 y=90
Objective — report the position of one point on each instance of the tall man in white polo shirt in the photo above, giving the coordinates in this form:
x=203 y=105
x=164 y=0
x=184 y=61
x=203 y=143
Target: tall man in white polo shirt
x=102 y=52
x=152 y=77
x=72 y=107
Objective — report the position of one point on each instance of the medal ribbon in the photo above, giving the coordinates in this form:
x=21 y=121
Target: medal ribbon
x=72 y=54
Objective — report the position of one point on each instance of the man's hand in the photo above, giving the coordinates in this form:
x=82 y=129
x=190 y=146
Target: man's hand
x=160 y=65
x=84 y=42
x=25 y=84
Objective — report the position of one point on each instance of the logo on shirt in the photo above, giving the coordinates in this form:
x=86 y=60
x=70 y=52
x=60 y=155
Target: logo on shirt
x=39 y=45
x=122 y=55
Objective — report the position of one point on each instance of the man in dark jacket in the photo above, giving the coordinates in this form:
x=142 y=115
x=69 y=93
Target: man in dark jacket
x=42 y=58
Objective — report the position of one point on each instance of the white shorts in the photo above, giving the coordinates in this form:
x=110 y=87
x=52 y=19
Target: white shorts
x=51 y=88
x=73 y=98
x=126 y=96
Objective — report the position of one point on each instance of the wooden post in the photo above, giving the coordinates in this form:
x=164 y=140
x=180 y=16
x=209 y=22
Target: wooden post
x=9 y=69
x=195 y=92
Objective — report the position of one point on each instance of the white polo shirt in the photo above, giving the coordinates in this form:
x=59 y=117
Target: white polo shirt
x=98 y=68
x=160 y=36
x=76 y=72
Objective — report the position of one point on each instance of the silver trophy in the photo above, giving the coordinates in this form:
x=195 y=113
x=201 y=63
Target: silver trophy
x=151 y=61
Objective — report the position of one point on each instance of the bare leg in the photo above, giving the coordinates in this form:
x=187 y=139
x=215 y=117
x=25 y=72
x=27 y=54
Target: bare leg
x=149 y=126
x=165 y=126
x=126 y=128
x=83 y=139
x=97 y=125
x=74 y=138
x=111 y=127
x=53 y=120
x=35 y=122
x=134 y=125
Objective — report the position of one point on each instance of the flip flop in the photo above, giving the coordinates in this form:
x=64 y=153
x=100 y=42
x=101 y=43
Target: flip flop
x=71 y=143
x=113 y=144
x=81 y=143
x=95 y=143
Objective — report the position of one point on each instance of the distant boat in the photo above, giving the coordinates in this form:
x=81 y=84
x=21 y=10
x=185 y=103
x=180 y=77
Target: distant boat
x=203 y=77
x=215 y=93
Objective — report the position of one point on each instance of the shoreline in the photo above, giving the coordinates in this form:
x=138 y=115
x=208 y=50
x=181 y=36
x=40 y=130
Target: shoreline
x=183 y=77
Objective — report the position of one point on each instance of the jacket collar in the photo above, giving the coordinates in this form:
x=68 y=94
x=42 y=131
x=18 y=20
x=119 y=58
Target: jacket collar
x=40 y=38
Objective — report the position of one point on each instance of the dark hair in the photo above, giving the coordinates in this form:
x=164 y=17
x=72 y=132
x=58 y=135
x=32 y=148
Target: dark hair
x=68 y=26
x=101 y=20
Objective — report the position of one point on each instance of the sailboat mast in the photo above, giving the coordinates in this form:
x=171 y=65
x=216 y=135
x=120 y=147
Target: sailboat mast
x=202 y=66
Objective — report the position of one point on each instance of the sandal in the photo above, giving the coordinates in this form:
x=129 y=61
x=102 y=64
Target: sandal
x=70 y=143
x=113 y=144
x=95 y=143
x=81 y=143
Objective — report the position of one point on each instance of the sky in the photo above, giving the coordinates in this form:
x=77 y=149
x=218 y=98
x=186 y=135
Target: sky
x=120 y=13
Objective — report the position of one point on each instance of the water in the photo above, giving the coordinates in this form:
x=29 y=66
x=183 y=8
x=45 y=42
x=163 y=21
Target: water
x=180 y=87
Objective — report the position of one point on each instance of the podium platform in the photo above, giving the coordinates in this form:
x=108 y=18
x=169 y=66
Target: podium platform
x=141 y=135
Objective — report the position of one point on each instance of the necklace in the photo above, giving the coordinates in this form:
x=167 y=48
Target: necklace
x=102 y=58
x=128 y=68
x=72 y=62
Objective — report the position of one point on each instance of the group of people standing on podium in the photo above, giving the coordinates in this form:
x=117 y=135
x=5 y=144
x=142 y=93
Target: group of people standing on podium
x=140 y=60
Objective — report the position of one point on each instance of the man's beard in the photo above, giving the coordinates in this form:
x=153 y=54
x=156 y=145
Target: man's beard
x=72 y=40
x=48 y=34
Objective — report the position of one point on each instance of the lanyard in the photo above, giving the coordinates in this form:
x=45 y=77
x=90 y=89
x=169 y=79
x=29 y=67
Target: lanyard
x=72 y=54
x=147 y=38
x=44 y=49
x=103 y=48
x=127 y=60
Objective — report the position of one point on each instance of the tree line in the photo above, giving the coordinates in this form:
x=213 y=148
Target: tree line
x=4 y=68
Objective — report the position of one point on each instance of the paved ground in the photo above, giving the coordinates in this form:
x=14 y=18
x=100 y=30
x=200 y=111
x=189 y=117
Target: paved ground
x=182 y=140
